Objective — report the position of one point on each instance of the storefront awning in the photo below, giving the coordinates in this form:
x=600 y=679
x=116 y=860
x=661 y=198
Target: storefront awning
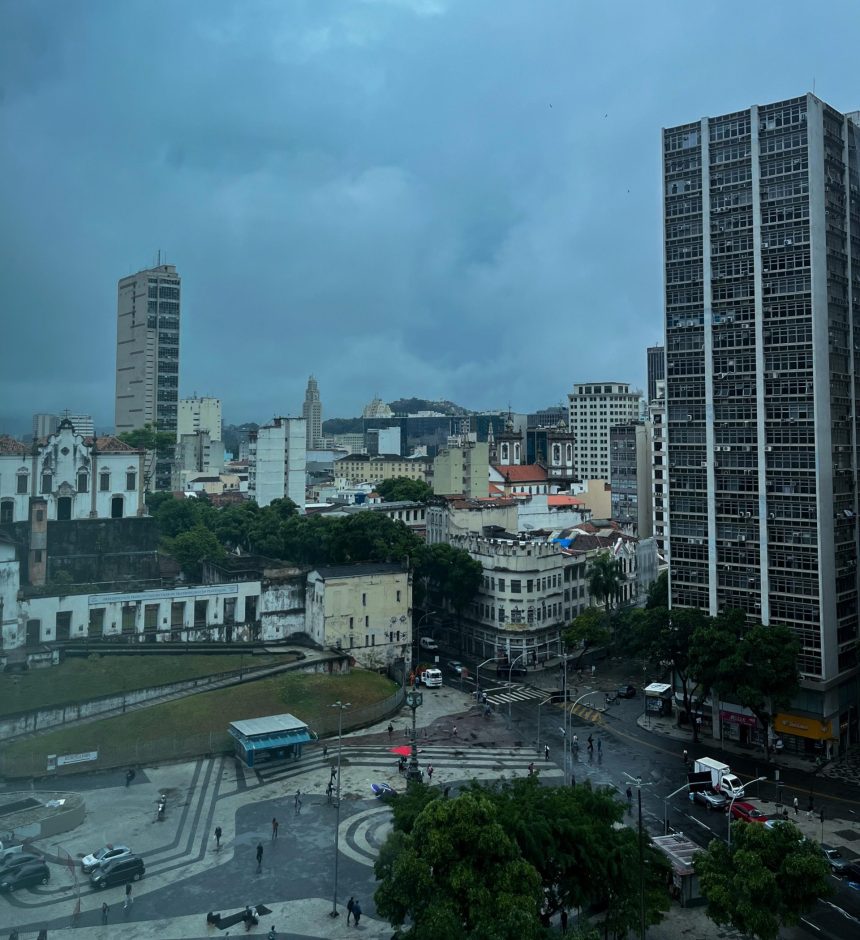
x=803 y=727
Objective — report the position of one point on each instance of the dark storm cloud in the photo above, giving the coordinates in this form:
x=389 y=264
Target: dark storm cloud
x=454 y=199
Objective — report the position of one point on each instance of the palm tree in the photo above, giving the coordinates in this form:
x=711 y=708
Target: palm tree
x=605 y=577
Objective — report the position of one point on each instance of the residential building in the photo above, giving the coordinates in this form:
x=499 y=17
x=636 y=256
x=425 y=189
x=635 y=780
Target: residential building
x=630 y=460
x=762 y=273
x=147 y=356
x=462 y=469
x=199 y=414
x=659 y=471
x=383 y=441
x=312 y=413
x=594 y=408
x=656 y=369
x=413 y=515
x=596 y=496
x=197 y=454
x=43 y=425
x=76 y=478
x=277 y=462
x=363 y=609
x=362 y=468
x=352 y=443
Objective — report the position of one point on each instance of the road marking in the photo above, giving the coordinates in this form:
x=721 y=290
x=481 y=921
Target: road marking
x=809 y=923
x=700 y=823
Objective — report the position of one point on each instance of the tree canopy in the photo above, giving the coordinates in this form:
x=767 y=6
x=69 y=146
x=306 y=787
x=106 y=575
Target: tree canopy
x=150 y=438
x=568 y=848
x=404 y=488
x=766 y=881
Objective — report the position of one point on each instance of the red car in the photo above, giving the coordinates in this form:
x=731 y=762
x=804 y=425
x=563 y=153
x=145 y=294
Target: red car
x=746 y=812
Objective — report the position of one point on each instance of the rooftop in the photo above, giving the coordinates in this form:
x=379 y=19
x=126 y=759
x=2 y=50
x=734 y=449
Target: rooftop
x=8 y=445
x=522 y=473
x=333 y=572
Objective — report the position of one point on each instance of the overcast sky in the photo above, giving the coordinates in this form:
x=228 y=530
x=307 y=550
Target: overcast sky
x=443 y=198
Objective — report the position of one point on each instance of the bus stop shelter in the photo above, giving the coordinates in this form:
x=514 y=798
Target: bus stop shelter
x=274 y=737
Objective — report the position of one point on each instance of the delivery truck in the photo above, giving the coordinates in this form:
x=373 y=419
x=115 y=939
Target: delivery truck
x=722 y=778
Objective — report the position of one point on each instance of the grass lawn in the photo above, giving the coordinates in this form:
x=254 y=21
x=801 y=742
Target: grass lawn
x=76 y=679
x=308 y=696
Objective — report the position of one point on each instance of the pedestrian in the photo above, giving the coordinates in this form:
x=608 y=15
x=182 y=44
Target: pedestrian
x=217 y=838
x=390 y=730
x=593 y=671
x=546 y=752
x=430 y=773
x=298 y=802
x=531 y=769
x=796 y=805
x=328 y=791
x=356 y=913
x=454 y=731
x=564 y=921
x=129 y=776
x=272 y=934
x=129 y=900
x=259 y=857
x=350 y=904
x=275 y=826
x=599 y=745
x=685 y=755
x=629 y=801
x=333 y=774
x=590 y=744
x=105 y=910
x=325 y=751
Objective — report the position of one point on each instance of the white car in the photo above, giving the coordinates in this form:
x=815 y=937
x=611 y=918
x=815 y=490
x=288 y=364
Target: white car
x=107 y=853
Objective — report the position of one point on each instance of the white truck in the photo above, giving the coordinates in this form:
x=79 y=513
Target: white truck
x=722 y=778
x=432 y=678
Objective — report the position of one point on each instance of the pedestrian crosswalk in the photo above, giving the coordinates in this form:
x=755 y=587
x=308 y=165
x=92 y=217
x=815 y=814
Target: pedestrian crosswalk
x=514 y=693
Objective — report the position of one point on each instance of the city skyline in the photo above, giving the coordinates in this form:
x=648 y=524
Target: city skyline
x=340 y=205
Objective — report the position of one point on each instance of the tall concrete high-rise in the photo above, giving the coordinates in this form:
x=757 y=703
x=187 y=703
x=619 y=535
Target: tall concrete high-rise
x=199 y=414
x=762 y=280
x=312 y=413
x=147 y=356
x=656 y=369
x=278 y=462
x=595 y=407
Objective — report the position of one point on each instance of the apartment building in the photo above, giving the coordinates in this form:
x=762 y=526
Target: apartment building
x=199 y=414
x=362 y=468
x=630 y=467
x=594 y=408
x=462 y=469
x=762 y=276
x=277 y=462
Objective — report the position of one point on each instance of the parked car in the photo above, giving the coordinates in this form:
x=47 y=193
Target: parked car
x=851 y=872
x=746 y=812
x=107 y=853
x=835 y=859
x=118 y=872
x=626 y=691
x=455 y=666
x=16 y=861
x=711 y=800
x=428 y=643
x=25 y=876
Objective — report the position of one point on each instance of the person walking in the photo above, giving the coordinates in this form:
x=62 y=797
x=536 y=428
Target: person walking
x=531 y=769
x=356 y=913
x=600 y=745
x=685 y=755
x=430 y=773
x=796 y=805
x=546 y=752
x=275 y=826
x=272 y=934
x=217 y=838
x=325 y=751
x=129 y=776
x=350 y=904
x=129 y=900
x=105 y=910
x=329 y=790
x=259 y=857
x=629 y=801
x=564 y=921
x=298 y=802
x=390 y=730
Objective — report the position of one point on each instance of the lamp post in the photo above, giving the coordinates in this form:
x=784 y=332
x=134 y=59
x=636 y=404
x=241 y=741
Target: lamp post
x=638 y=782
x=340 y=706
x=421 y=620
x=546 y=701
x=666 y=807
x=732 y=803
x=510 y=674
x=478 y=672
x=413 y=771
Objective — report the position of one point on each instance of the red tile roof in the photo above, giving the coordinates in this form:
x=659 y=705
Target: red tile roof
x=528 y=473
x=8 y=445
x=109 y=443
x=562 y=499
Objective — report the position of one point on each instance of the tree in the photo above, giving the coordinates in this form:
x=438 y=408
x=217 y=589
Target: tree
x=458 y=874
x=404 y=488
x=762 y=674
x=712 y=643
x=150 y=438
x=658 y=592
x=605 y=577
x=452 y=574
x=766 y=881
x=587 y=630
x=193 y=547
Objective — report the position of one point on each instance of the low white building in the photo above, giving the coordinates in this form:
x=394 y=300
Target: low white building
x=365 y=610
x=78 y=477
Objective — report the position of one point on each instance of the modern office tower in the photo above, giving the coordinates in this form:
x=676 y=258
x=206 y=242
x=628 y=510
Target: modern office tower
x=656 y=369
x=199 y=414
x=83 y=424
x=277 y=462
x=762 y=269
x=659 y=469
x=594 y=408
x=630 y=477
x=312 y=413
x=147 y=356
x=44 y=425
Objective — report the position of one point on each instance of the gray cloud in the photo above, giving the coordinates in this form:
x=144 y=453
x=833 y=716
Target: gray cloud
x=401 y=196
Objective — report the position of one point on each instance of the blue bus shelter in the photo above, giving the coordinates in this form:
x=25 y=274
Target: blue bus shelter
x=274 y=737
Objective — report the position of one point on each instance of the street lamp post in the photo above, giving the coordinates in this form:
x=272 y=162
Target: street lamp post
x=732 y=803
x=510 y=674
x=638 y=782
x=340 y=706
x=666 y=807
x=421 y=620
x=413 y=771
x=478 y=673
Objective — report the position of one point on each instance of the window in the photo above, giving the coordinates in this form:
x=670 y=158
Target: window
x=131 y=480
x=398 y=597
x=104 y=482
x=366 y=622
x=501 y=584
x=47 y=482
x=350 y=628
x=516 y=586
x=364 y=600
x=83 y=481
x=7 y=511
x=37 y=555
x=22 y=483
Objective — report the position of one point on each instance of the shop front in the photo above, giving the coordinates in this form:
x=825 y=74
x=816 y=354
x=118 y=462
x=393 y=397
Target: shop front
x=740 y=728
x=806 y=735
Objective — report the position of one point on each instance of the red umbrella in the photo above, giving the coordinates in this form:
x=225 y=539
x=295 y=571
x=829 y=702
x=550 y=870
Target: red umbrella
x=404 y=750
